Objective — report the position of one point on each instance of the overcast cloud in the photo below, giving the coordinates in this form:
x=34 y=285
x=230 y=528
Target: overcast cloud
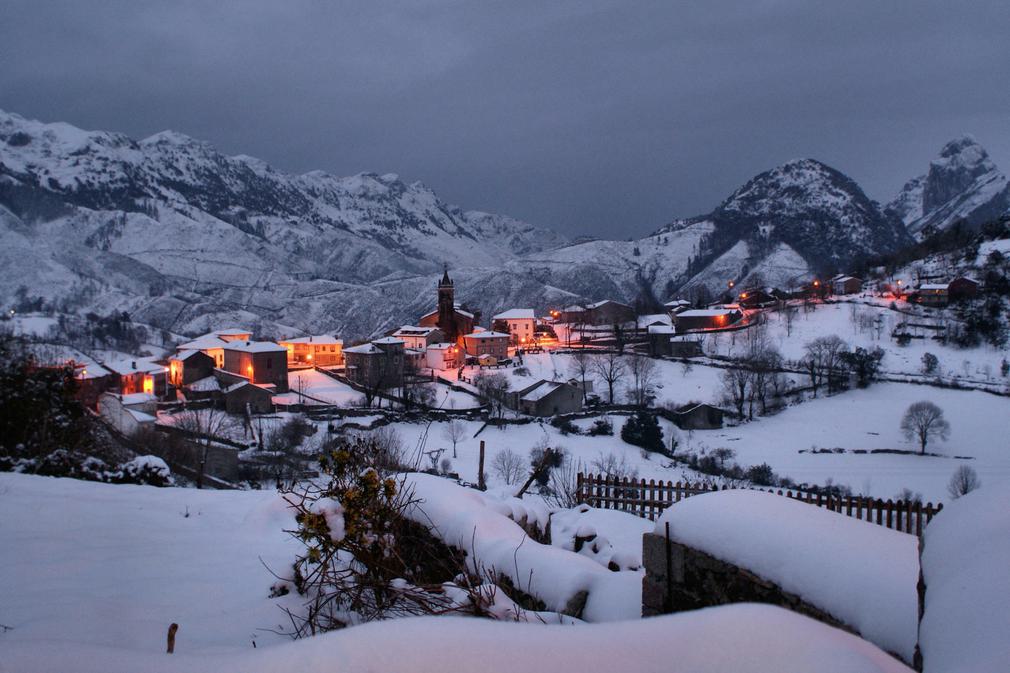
x=602 y=118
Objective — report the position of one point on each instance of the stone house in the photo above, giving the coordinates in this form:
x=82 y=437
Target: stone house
x=261 y=362
x=128 y=413
x=547 y=398
x=606 y=312
x=419 y=338
x=140 y=375
x=187 y=367
x=245 y=395
x=842 y=284
x=489 y=343
x=706 y=319
x=379 y=364
x=443 y=356
x=697 y=416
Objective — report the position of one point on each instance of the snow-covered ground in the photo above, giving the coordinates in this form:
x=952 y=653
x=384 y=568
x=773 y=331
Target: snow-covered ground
x=318 y=388
x=94 y=574
x=966 y=566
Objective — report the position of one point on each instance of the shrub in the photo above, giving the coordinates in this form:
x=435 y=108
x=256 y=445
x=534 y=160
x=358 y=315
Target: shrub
x=601 y=427
x=642 y=429
x=762 y=475
x=963 y=481
x=565 y=425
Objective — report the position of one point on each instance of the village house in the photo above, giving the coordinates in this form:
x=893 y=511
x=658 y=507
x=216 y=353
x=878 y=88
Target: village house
x=520 y=323
x=262 y=362
x=487 y=343
x=962 y=288
x=419 y=338
x=547 y=398
x=697 y=416
x=244 y=396
x=140 y=375
x=443 y=356
x=658 y=339
x=92 y=378
x=842 y=284
x=376 y=365
x=454 y=321
x=128 y=413
x=757 y=298
x=188 y=367
x=324 y=350
x=706 y=319
x=606 y=312
x=677 y=305
x=213 y=343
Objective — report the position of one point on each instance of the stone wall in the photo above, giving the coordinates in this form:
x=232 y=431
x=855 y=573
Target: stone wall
x=678 y=577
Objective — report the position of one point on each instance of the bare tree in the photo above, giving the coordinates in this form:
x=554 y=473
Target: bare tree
x=203 y=426
x=580 y=365
x=789 y=317
x=767 y=380
x=924 y=421
x=508 y=465
x=823 y=360
x=963 y=481
x=493 y=388
x=454 y=431
x=643 y=379
x=611 y=368
x=736 y=385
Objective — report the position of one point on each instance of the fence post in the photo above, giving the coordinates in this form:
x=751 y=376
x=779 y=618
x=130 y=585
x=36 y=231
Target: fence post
x=578 y=489
x=480 y=469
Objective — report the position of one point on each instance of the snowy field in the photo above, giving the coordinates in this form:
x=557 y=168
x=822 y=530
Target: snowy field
x=978 y=365
x=866 y=419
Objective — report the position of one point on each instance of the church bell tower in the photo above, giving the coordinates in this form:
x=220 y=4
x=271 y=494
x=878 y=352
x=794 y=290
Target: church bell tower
x=447 y=307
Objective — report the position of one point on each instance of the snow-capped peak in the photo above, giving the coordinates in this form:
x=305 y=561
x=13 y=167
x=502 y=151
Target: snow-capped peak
x=962 y=184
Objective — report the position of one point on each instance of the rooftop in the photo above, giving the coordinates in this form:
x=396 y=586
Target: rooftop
x=516 y=314
x=705 y=312
x=254 y=346
x=314 y=339
x=487 y=334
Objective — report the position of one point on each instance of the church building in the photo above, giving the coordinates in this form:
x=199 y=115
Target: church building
x=454 y=321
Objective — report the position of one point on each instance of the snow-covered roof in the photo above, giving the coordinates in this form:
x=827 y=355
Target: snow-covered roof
x=678 y=302
x=705 y=312
x=934 y=286
x=516 y=314
x=441 y=346
x=124 y=366
x=364 y=348
x=137 y=398
x=140 y=416
x=388 y=341
x=205 y=385
x=231 y=331
x=540 y=391
x=313 y=339
x=184 y=354
x=410 y=330
x=660 y=329
x=241 y=384
x=254 y=346
x=202 y=343
x=486 y=334
x=653 y=319
x=863 y=574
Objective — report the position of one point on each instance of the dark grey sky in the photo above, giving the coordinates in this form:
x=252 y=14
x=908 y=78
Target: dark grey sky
x=604 y=118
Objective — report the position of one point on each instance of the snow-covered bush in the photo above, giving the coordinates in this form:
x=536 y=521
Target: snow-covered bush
x=149 y=470
x=601 y=427
x=642 y=429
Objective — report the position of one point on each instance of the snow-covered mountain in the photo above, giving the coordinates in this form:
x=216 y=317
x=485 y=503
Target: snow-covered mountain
x=170 y=230
x=784 y=225
x=961 y=184
x=185 y=238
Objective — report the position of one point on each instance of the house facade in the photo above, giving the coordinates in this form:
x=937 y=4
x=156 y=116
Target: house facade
x=606 y=312
x=443 y=356
x=187 y=367
x=706 y=319
x=842 y=284
x=548 y=398
x=419 y=338
x=376 y=365
x=142 y=375
x=128 y=413
x=487 y=343
x=519 y=323
x=242 y=396
x=324 y=350
x=261 y=362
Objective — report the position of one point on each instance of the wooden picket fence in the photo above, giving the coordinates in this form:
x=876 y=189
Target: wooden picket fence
x=648 y=499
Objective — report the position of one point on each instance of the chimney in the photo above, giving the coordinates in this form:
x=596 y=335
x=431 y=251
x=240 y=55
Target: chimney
x=133 y=365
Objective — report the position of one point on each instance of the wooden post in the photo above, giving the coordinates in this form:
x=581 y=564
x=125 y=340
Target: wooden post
x=480 y=469
x=171 y=637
